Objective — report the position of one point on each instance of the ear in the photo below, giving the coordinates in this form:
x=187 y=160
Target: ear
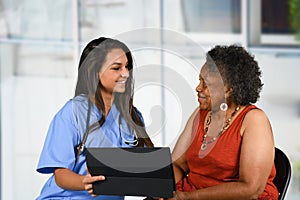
x=228 y=92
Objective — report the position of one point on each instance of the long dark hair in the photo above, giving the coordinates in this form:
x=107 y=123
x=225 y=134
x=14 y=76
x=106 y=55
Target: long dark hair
x=88 y=83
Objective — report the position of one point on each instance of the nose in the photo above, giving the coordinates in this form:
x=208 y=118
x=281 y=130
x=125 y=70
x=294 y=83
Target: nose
x=125 y=73
x=199 y=87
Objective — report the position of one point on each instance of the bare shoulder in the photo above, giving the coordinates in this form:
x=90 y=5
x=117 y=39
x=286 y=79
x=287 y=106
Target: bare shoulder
x=185 y=138
x=193 y=115
x=255 y=115
x=254 y=121
x=190 y=121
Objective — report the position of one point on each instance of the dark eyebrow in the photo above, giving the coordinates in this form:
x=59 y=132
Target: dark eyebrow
x=118 y=63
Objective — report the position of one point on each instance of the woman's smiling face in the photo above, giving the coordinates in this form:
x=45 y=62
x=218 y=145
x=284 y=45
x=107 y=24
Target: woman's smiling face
x=114 y=72
x=210 y=90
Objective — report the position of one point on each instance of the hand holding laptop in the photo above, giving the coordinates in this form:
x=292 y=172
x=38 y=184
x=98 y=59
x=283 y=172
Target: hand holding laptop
x=88 y=181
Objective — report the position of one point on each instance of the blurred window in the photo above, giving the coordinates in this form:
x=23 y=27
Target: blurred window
x=275 y=17
x=38 y=20
x=276 y=26
x=212 y=16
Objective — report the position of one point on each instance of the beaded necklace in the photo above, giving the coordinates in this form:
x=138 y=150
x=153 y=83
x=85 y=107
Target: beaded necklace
x=225 y=127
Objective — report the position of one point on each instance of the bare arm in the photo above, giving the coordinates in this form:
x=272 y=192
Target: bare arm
x=256 y=160
x=178 y=155
x=70 y=180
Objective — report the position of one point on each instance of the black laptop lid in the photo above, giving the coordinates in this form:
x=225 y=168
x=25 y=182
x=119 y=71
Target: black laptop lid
x=132 y=171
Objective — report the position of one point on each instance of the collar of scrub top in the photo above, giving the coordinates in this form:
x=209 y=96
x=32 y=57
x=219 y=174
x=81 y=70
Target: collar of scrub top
x=81 y=145
x=133 y=142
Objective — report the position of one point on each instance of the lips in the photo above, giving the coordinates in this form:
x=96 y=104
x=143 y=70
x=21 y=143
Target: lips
x=201 y=98
x=121 y=81
x=120 y=85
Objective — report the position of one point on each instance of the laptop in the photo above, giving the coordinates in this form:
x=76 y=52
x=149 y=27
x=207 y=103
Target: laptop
x=146 y=172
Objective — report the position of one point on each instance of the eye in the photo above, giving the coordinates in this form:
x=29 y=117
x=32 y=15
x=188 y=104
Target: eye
x=115 y=68
x=203 y=83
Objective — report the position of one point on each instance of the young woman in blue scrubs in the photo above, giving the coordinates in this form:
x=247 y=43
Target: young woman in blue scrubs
x=101 y=114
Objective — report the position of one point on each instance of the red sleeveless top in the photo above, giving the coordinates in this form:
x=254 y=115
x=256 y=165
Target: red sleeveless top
x=223 y=155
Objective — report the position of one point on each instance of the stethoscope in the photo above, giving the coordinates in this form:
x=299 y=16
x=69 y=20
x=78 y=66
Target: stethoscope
x=133 y=142
x=81 y=146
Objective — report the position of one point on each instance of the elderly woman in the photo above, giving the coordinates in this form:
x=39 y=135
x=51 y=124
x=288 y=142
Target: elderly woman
x=226 y=150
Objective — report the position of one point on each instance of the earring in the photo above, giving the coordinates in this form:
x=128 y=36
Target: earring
x=223 y=106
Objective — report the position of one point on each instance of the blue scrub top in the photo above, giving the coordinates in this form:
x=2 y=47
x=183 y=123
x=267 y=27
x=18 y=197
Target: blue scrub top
x=65 y=133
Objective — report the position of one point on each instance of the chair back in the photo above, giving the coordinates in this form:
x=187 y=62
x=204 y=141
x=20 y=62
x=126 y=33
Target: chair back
x=283 y=172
